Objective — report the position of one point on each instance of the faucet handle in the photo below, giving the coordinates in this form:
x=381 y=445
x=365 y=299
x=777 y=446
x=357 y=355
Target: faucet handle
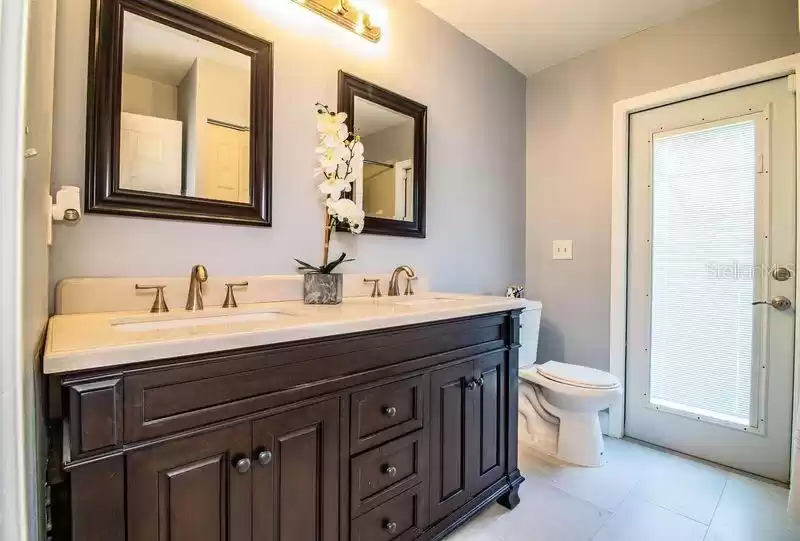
x=410 y=284
x=159 y=304
x=230 y=298
x=376 y=286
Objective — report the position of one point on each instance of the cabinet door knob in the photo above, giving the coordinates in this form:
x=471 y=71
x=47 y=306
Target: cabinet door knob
x=389 y=470
x=472 y=385
x=264 y=457
x=242 y=465
x=480 y=381
x=389 y=411
x=390 y=526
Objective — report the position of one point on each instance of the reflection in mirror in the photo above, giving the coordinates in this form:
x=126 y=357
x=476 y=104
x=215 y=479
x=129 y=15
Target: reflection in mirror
x=388 y=180
x=185 y=119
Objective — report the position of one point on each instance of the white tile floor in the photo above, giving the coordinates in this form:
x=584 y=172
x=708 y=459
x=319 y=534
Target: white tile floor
x=641 y=494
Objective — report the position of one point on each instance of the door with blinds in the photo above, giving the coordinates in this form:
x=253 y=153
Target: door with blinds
x=711 y=277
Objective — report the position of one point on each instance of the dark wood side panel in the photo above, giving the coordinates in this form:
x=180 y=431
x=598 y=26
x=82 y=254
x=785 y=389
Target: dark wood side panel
x=490 y=422
x=296 y=491
x=385 y=412
x=381 y=474
x=512 y=400
x=402 y=518
x=450 y=449
x=190 y=489
x=95 y=415
x=98 y=501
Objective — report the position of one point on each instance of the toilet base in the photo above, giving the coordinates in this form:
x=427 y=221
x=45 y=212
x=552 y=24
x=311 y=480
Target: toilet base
x=580 y=439
x=577 y=439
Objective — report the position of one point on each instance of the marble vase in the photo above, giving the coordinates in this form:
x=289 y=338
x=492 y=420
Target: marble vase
x=322 y=288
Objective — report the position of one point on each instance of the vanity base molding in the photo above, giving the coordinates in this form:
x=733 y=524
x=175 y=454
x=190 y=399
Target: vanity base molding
x=399 y=434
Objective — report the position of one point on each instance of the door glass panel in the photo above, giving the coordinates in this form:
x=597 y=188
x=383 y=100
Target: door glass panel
x=703 y=257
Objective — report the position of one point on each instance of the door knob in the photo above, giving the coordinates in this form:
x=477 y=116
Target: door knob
x=242 y=465
x=780 y=303
x=480 y=381
x=472 y=385
x=264 y=457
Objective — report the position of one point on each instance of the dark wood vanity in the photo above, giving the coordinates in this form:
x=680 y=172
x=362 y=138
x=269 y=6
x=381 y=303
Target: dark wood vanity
x=402 y=433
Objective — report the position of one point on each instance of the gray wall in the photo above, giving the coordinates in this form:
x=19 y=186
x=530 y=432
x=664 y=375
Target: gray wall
x=476 y=155
x=569 y=153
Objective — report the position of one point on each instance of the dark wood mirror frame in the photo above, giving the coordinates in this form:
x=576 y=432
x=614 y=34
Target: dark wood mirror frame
x=103 y=194
x=351 y=86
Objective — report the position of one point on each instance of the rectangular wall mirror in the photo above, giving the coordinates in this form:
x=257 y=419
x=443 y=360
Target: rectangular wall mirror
x=179 y=122
x=393 y=130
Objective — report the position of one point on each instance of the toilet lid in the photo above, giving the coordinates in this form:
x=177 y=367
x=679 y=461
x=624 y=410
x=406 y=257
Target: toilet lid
x=579 y=376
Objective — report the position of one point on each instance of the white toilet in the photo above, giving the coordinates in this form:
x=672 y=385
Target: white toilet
x=559 y=403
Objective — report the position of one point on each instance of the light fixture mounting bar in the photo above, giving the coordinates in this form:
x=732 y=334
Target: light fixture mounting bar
x=344 y=14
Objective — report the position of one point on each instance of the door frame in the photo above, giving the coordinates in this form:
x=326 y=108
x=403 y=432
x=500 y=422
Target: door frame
x=758 y=73
x=16 y=498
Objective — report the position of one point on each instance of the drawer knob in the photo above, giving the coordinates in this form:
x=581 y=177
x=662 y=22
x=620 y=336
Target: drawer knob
x=242 y=465
x=390 y=526
x=389 y=470
x=264 y=457
x=389 y=411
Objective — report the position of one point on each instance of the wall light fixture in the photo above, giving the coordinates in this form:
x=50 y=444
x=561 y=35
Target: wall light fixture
x=345 y=14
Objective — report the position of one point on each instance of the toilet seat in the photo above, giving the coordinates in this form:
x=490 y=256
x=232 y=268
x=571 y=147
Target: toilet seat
x=577 y=376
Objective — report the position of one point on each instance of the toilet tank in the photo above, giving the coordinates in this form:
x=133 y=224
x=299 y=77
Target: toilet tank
x=530 y=320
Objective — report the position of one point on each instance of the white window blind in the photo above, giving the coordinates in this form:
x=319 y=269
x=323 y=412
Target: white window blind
x=703 y=246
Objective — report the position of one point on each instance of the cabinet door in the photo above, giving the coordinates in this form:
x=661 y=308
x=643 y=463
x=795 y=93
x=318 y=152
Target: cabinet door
x=191 y=489
x=489 y=423
x=450 y=449
x=296 y=475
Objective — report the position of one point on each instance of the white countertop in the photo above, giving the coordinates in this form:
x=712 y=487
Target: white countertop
x=91 y=341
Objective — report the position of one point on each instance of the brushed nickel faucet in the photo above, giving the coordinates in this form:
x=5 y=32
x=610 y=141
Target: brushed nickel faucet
x=194 y=301
x=394 y=289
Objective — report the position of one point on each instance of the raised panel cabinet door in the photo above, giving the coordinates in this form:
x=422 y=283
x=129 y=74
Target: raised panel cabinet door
x=296 y=475
x=490 y=421
x=193 y=489
x=450 y=448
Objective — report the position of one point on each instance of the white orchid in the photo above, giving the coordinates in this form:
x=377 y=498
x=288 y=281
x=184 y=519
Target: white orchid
x=331 y=127
x=330 y=158
x=340 y=159
x=333 y=186
x=344 y=210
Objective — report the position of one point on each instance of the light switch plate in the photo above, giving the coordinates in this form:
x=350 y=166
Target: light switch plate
x=562 y=249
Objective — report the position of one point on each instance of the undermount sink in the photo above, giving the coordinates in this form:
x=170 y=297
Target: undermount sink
x=197 y=321
x=424 y=301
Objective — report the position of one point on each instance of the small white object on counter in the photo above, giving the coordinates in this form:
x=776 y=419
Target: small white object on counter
x=96 y=340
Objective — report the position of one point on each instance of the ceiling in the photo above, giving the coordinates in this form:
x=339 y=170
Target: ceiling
x=534 y=34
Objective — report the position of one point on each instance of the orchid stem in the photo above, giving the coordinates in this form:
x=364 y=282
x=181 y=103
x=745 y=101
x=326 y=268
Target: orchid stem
x=327 y=237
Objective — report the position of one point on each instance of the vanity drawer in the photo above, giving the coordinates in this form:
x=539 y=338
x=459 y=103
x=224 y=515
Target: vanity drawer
x=400 y=519
x=381 y=474
x=383 y=413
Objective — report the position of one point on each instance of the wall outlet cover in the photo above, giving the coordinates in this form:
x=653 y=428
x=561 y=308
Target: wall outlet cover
x=562 y=249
